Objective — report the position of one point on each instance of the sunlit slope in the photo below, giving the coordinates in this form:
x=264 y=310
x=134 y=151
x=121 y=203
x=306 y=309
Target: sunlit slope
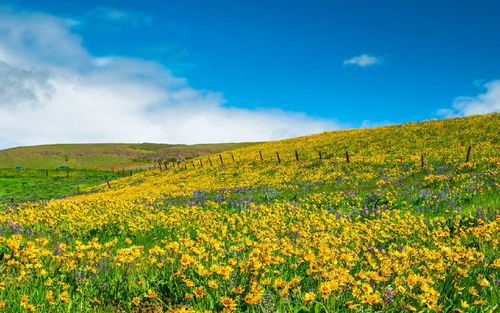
x=382 y=152
x=440 y=142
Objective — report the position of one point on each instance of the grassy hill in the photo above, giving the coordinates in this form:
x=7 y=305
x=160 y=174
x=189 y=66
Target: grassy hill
x=369 y=226
x=103 y=156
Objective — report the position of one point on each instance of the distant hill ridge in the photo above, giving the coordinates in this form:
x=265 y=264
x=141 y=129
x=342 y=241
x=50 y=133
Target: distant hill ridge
x=104 y=155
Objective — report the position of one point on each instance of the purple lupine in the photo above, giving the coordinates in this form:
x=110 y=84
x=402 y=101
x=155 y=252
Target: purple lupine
x=388 y=295
x=266 y=299
x=58 y=249
x=16 y=228
x=479 y=214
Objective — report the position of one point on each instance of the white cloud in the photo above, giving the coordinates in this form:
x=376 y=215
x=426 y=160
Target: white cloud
x=486 y=102
x=370 y=124
x=114 y=15
x=363 y=60
x=52 y=90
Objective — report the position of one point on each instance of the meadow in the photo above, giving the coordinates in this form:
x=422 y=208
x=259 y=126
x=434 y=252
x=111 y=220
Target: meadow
x=22 y=185
x=395 y=218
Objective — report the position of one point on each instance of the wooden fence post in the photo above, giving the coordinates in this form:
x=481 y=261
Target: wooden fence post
x=467 y=157
x=422 y=161
x=261 y=158
x=347 y=157
x=296 y=155
x=201 y=163
x=278 y=155
x=232 y=156
x=221 y=160
x=210 y=161
x=320 y=156
x=107 y=182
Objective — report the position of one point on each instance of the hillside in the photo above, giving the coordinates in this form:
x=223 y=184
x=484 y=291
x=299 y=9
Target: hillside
x=103 y=156
x=396 y=218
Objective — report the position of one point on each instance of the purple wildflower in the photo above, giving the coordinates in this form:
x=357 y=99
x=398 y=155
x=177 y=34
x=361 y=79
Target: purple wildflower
x=388 y=295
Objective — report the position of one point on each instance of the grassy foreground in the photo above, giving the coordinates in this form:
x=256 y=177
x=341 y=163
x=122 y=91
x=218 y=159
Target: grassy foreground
x=365 y=227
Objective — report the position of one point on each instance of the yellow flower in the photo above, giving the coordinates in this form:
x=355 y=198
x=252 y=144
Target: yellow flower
x=136 y=301
x=483 y=282
x=238 y=290
x=401 y=290
x=50 y=296
x=366 y=288
x=473 y=291
x=199 y=291
x=464 y=304
x=309 y=297
x=324 y=289
x=458 y=287
x=228 y=302
x=151 y=294
x=284 y=292
x=64 y=296
x=213 y=284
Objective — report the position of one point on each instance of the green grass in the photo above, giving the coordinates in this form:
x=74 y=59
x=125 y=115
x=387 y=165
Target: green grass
x=30 y=185
x=90 y=165
x=104 y=155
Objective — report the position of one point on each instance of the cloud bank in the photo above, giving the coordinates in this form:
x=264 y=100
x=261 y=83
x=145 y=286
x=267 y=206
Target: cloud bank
x=362 y=60
x=52 y=90
x=486 y=102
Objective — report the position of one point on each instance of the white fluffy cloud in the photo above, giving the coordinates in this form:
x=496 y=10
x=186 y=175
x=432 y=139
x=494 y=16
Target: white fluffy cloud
x=363 y=60
x=52 y=90
x=486 y=102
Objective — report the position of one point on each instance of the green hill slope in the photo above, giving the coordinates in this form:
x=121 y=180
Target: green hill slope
x=104 y=156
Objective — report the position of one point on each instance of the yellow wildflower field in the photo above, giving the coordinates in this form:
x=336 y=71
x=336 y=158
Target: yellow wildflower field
x=395 y=218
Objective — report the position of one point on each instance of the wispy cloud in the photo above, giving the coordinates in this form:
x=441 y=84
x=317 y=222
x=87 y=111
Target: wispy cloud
x=370 y=124
x=52 y=89
x=114 y=15
x=363 y=60
x=485 y=102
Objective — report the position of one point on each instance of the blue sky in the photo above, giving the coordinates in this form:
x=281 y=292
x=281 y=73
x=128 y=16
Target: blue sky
x=319 y=64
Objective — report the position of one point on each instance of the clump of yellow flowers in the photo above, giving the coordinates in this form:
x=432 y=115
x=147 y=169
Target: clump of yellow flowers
x=405 y=225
